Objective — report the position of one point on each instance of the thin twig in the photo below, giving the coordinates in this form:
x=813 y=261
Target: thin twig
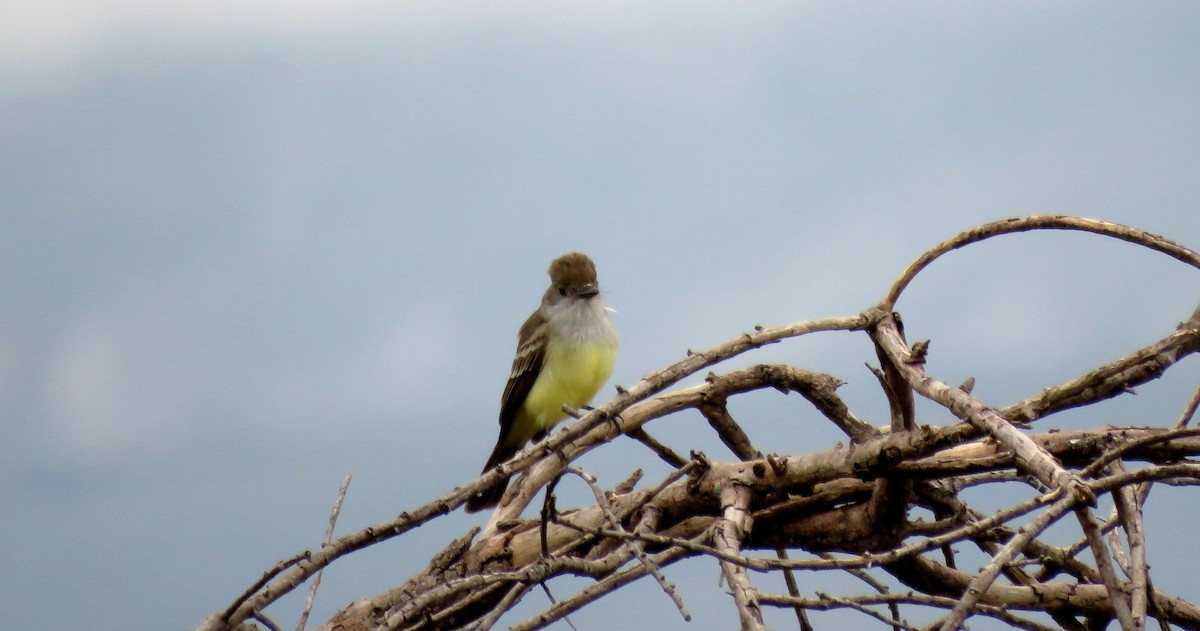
x=635 y=546
x=1190 y=410
x=316 y=581
x=514 y=594
x=263 y=580
x=664 y=452
x=879 y=587
x=894 y=620
x=927 y=600
x=1116 y=597
x=550 y=596
x=789 y=579
x=1124 y=448
x=600 y=589
x=266 y=622
x=1130 y=511
x=1063 y=502
x=1118 y=553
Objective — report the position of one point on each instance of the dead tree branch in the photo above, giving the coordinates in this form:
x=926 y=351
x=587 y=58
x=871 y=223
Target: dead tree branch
x=836 y=508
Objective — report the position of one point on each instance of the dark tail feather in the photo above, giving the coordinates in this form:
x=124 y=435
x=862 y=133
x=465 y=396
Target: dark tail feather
x=489 y=497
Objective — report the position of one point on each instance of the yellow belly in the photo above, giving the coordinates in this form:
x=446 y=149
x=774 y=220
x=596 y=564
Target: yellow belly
x=571 y=375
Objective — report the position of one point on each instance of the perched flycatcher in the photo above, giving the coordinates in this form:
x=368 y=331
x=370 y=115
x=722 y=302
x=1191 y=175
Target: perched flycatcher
x=565 y=353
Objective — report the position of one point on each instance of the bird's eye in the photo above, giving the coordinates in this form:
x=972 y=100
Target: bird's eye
x=562 y=291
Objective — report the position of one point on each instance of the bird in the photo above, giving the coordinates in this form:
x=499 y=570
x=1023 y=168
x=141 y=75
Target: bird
x=566 y=350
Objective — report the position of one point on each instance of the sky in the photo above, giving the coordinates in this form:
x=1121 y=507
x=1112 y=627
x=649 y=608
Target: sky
x=246 y=248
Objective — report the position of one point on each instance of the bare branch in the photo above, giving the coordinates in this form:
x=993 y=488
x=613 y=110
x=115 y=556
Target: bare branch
x=634 y=545
x=1129 y=508
x=316 y=582
x=1038 y=222
x=1190 y=410
x=1062 y=503
x=1116 y=597
x=1029 y=455
x=664 y=452
x=859 y=508
x=825 y=602
x=732 y=528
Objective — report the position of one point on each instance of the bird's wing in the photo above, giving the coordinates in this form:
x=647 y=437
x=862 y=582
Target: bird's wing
x=531 y=347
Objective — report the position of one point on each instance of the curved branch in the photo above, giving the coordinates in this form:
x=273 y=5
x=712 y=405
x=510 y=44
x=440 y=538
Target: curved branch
x=1038 y=222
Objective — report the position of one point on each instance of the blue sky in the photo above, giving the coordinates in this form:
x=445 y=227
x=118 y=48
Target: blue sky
x=249 y=248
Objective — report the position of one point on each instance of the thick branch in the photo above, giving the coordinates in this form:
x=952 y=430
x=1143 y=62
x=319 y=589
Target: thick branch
x=733 y=527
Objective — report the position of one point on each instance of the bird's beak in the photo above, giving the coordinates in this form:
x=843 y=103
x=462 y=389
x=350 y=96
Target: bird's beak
x=589 y=291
